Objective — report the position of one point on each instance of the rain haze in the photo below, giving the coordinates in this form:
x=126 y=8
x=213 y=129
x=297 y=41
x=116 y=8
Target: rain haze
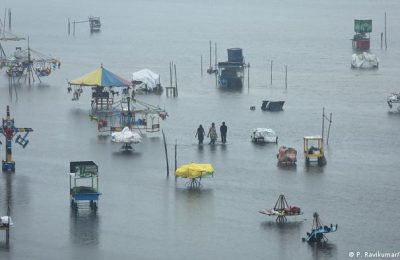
x=141 y=213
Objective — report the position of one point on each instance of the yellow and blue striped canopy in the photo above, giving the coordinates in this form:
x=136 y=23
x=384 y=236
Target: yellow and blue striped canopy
x=100 y=77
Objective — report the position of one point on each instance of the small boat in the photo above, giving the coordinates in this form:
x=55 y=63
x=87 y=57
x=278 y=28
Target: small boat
x=264 y=135
x=394 y=98
x=268 y=105
x=286 y=156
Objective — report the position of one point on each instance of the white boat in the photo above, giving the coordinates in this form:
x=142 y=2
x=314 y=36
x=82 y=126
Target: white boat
x=364 y=60
x=264 y=135
x=394 y=98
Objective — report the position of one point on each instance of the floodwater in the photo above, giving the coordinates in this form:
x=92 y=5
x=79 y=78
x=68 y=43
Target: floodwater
x=144 y=215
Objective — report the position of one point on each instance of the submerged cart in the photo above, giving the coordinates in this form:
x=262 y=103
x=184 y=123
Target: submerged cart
x=84 y=173
x=314 y=153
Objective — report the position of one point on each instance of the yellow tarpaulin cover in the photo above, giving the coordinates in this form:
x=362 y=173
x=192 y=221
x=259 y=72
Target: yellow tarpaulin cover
x=194 y=170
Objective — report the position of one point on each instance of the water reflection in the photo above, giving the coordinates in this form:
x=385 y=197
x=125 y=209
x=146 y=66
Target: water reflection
x=84 y=227
x=313 y=168
x=284 y=233
x=322 y=250
x=194 y=206
x=6 y=209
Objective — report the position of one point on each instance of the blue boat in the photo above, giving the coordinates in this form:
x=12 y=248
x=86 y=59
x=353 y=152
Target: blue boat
x=317 y=234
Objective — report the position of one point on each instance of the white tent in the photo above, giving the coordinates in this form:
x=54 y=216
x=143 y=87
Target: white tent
x=364 y=61
x=147 y=77
x=126 y=136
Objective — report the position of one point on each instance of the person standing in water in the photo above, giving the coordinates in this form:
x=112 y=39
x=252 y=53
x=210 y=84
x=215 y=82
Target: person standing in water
x=212 y=133
x=223 y=129
x=200 y=134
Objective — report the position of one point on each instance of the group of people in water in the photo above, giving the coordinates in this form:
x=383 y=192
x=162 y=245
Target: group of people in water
x=212 y=133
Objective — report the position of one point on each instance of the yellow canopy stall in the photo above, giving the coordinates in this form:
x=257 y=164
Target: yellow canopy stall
x=194 y=170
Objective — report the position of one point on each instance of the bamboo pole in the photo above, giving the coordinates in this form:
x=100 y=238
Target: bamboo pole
x=176 y=82
x=210 y=55
x=381 y=39
x=176 y=152
x=385 y=33
x=286 y=76
x=215 y=57
x=201 y=64
x=69 y=27
x=329 y=128
x=323 y=122
x=9 y=19
x=271 y=72
x=248 y=76
x=166 y=152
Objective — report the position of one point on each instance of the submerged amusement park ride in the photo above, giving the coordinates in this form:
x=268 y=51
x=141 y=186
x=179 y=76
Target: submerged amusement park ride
x=111 y=115
x=9 y=130
x=94 y=23
x=231 y=72
x=83 y=184
x=264 y=135
x=393 y=99
x=194 y=172
x=282 y=210
x=126 y=137
x=314 y=153
x=361 y=41
x=268 y=105
x=287 y=156
x=26 y=62
x=318 y=231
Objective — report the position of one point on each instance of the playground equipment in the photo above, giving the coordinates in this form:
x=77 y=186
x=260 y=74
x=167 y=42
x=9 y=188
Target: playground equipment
x=318 y=231
x=9 y=130
x=282 y=210
x=84 y=171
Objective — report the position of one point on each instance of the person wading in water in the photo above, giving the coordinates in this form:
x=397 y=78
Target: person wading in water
x=200 y=134
x=212 y=133
x=223 y=129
